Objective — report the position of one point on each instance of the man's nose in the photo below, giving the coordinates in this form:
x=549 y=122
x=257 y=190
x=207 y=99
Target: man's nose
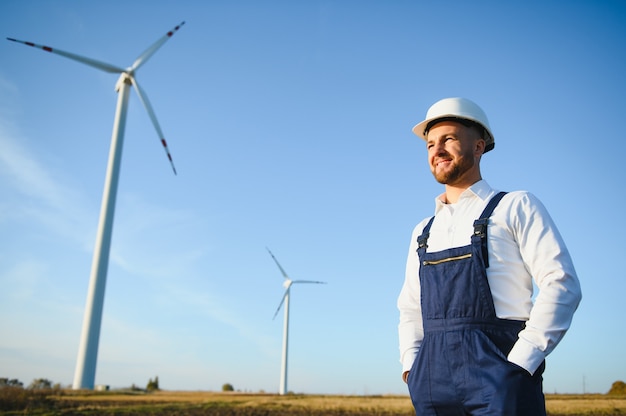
x=439 y=147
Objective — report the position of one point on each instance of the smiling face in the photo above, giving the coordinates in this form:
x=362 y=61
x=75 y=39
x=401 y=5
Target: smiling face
x=454 y=152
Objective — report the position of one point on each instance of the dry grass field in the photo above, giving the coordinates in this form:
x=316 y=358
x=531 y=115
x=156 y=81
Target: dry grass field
x=67 y=402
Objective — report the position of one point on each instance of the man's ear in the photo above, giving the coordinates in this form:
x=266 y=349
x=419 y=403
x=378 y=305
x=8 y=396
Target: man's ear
x=479 y=147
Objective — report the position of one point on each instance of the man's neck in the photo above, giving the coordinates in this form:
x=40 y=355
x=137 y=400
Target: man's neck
x=453 y=192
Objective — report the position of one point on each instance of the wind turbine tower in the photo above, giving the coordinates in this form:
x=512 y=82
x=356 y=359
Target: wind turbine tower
x=287 y=284
x=84 y=377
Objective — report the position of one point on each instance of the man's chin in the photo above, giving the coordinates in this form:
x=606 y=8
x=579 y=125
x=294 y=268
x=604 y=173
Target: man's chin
x=442 y=177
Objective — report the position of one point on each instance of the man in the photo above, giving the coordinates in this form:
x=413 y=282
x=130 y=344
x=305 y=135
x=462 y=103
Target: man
x=472 y=340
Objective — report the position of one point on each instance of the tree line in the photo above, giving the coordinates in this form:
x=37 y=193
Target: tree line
x=45 y=384
x=618 y=388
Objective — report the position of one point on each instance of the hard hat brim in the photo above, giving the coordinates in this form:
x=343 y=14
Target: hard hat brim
x=421 y=129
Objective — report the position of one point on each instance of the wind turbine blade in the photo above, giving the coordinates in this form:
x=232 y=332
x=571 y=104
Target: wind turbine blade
x=144 y=99
x=88 y=61
x=152 y=49
x=309 y=281
x=278 y=264
x=281 y=304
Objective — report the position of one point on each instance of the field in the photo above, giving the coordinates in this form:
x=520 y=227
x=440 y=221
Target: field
x=68 y=402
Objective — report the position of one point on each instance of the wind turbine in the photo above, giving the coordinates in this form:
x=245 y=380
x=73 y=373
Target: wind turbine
x=85 y=374
x=287 y=285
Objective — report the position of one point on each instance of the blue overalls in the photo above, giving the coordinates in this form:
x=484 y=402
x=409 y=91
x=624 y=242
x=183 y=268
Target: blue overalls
x=461 y=367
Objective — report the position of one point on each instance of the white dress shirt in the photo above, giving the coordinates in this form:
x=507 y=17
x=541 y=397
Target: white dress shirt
x=524 y=247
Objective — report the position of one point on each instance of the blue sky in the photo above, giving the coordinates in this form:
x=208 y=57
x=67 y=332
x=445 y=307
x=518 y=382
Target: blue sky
x=290 y=126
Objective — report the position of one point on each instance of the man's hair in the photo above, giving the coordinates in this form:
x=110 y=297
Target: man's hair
x=467 y=123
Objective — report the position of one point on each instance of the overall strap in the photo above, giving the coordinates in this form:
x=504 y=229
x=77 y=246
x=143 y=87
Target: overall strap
x=423 y=238
x=480 y=225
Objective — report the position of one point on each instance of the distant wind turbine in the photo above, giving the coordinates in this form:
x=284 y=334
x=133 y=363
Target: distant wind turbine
x=85 y=374
x=287 y=284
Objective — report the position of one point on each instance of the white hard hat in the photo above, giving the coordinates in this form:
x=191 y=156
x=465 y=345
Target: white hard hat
x=459 y=109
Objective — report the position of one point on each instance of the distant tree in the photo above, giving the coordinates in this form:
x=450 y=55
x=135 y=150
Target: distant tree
x=228 y=387
x=6 y=382
x=40 y=383
x=618 y=388
x=153 y=385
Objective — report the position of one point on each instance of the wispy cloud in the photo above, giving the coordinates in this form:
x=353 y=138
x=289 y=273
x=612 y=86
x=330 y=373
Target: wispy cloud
x=41 y=194
x=224 y=310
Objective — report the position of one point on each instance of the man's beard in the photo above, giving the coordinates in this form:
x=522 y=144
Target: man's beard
x=450 y=176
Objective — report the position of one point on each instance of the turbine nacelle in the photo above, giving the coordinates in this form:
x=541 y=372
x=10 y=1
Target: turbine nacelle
x=125 y=78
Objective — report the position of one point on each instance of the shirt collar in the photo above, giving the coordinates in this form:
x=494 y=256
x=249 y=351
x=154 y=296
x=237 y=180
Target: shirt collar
x=480 y=189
